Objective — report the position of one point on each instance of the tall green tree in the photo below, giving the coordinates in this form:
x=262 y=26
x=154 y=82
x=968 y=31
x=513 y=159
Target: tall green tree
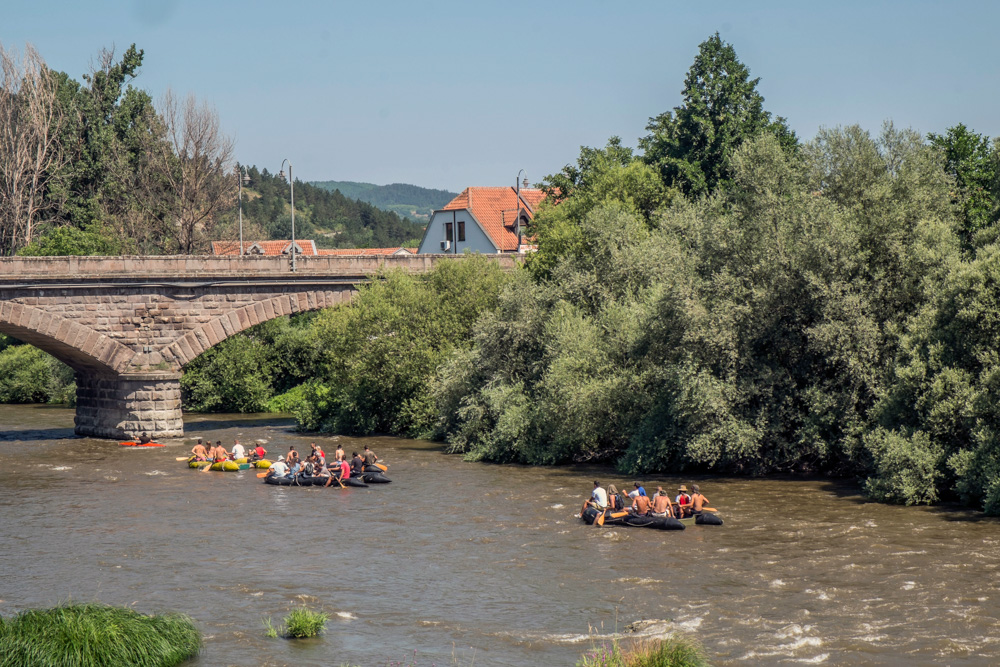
x=974 y=162
x=692 y=146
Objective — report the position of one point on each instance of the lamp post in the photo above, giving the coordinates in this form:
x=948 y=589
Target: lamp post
x=517 y=189
x=291 y=184
x=242 y=178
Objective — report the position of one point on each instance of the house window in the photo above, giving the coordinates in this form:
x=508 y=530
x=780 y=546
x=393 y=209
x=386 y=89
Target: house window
x=448 y=233
x=461 y=230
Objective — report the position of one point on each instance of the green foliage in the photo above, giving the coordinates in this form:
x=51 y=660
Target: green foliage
x=28 y=375
x=244 y=372
x=692 y=146
x=673 y=651
x=379 y=355
x=93 y=635
x=975 y=165
x=304 y=622
x=73 y=241
x=334 y=220
x=607 y=176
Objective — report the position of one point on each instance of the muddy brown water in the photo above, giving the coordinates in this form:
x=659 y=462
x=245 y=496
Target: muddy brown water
x=458 y=563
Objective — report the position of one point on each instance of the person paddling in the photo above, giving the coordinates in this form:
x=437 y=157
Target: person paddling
x=698 y=501
x=598 y=499
x=661 y=503
x=277 y=469
x=199 y=452
x=682 y=500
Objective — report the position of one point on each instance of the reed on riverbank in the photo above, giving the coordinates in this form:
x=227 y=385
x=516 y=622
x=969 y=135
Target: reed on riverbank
x=92 y=635
x=674 y=651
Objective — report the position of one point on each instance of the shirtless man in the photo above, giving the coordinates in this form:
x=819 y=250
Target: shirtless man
x=199 y=452
x=218 y=453
x=661 y=504
x=641 y=505
x=292 y=455
x=698 y=501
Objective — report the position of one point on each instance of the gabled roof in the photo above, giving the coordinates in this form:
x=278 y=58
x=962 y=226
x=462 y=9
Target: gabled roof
x=496 y=210
x=268 y=248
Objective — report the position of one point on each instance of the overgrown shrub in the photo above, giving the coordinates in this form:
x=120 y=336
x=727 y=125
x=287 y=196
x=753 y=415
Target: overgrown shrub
x=94 y=635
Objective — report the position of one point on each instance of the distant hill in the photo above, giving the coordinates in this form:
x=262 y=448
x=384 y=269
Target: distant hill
x=405 y=200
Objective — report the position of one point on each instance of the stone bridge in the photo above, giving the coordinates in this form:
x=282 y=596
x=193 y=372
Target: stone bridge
x=128 y=325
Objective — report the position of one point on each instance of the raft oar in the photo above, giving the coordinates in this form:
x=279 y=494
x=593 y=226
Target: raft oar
x=183 y=458
x=600 y=519
x=618 y=515
x=209 y=466
x=262 y=474
x=381 y=467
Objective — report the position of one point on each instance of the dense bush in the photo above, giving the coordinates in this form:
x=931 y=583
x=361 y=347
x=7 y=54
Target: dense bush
x=93 y=635
x=377 y=357
x=28 y=375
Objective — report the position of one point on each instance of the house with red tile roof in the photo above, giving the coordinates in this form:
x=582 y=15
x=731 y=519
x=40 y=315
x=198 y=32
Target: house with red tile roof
x=270 y=248
x=482 y=219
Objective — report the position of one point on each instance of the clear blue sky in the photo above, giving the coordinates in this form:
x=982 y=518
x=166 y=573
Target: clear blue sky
x=450 y=94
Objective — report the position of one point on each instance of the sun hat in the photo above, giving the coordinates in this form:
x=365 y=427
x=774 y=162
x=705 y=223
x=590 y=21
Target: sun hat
x=682 y=488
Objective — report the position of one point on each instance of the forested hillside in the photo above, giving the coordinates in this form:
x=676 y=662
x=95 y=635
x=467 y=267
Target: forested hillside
x=331 y=218
x=407 y=200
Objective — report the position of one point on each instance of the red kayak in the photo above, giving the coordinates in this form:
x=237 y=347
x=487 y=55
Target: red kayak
x=139 y=444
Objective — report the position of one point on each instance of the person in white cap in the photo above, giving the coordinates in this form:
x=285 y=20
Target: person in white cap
x=277 y=469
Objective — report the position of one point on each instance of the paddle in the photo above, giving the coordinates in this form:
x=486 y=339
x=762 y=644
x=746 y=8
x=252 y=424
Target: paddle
x=183 y=458
x=618 y=515
x=381 y=467
x=262 y=475
x=600 y=519
x=208 y=467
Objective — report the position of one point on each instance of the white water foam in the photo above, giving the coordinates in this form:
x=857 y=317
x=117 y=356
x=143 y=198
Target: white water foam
x=557 y=506
x=909 y=585
x=63 y=468
x=346 y=615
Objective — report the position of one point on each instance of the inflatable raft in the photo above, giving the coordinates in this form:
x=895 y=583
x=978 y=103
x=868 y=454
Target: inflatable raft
x=231 y=466
x=314 y=481
x=660 y=523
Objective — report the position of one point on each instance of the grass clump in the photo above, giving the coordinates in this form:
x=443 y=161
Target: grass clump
x=96 y=635
x=673 y=651
x=298 y=624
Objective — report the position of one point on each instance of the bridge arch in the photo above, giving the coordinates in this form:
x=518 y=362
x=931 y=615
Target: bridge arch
x=78 y=346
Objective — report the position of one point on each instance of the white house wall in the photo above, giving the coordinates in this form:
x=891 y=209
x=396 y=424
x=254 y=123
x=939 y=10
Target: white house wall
x=476 y=239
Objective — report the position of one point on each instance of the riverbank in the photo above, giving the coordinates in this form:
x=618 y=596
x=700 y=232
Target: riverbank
x=486 y=563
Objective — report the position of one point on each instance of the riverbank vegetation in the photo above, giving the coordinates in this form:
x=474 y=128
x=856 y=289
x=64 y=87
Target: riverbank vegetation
x=673 y=651
x=727 y=298
x=92 y=635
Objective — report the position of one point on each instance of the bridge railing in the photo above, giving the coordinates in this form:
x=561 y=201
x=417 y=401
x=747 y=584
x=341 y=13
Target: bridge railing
x=24 y=269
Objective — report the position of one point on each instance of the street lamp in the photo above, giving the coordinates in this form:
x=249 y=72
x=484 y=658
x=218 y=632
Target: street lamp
x=243 y=178
x=291 y=184
x=517 y=187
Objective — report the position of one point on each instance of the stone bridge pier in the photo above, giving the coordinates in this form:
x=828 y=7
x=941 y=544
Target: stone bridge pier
x=128 y=325
x=128 y=405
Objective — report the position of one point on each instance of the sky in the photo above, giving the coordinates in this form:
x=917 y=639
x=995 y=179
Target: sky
x=452 y=94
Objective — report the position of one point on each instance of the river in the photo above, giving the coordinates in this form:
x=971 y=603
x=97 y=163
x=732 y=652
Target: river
x=458 y=563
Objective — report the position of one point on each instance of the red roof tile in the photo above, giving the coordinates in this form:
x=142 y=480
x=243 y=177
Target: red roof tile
x=352 y=252
x=262 y=247
x=496 y=210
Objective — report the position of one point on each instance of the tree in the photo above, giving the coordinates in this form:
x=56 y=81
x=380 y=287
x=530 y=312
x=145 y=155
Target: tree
x=30 y=152
x=692 y=146
x=975 y=165
x=195 y=164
